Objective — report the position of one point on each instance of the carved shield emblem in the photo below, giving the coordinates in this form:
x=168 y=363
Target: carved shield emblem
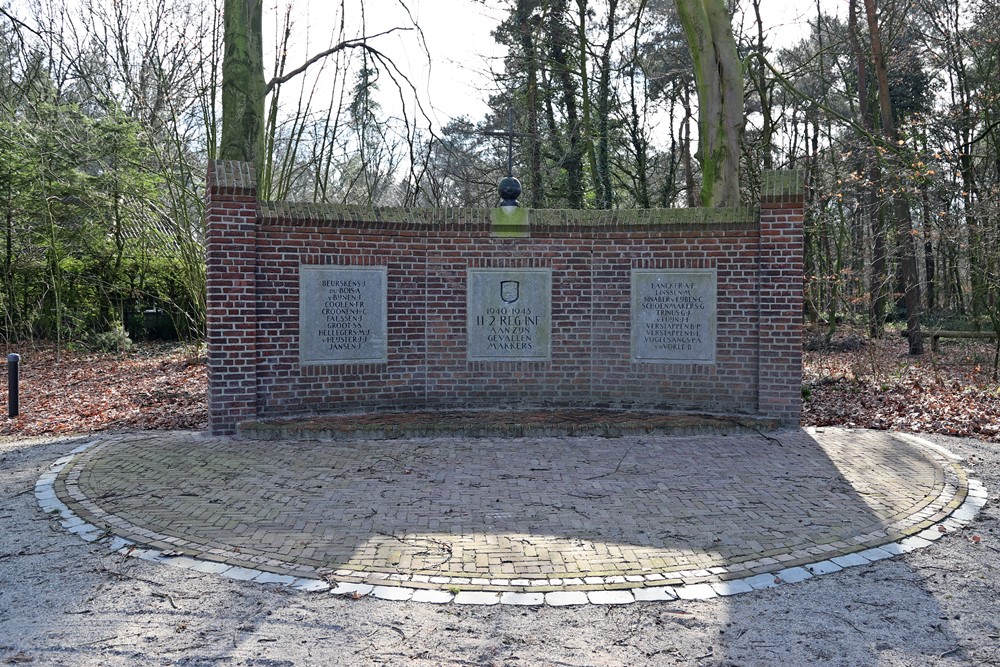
x=510 y=290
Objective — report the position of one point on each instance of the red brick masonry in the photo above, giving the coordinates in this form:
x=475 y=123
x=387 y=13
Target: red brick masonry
x=255 y=250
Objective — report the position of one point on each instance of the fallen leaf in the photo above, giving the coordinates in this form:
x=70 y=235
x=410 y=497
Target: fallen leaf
x=64 y=392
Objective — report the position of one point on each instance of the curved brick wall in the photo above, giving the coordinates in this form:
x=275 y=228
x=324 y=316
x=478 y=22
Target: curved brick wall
x=256 y=249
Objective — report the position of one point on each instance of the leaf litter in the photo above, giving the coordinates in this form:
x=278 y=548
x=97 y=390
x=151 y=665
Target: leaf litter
x=156 y=387
x=874 y=385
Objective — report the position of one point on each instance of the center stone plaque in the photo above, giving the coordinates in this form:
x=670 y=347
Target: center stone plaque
x=342 y=315
x=673 y=315
x=509 y=314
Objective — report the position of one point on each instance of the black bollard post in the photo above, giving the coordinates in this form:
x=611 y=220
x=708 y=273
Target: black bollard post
x=13 y=361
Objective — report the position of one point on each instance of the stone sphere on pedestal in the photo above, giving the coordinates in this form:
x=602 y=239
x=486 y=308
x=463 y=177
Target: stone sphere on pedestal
x=510 y=190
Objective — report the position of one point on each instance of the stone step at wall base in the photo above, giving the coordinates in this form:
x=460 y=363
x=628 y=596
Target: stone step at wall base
x=488 y=424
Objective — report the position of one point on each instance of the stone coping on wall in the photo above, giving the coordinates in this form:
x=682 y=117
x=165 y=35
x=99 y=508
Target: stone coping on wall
x=427 y=219
x=239 y=178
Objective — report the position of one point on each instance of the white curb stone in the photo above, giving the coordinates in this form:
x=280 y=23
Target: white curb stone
x=733 y=587
x=913 y=543
x=240 y=573
x=210 y=567
x=272 y=578
x=696 y=592
x=610 y=597
x=432 y=596
x=392 y=593
x=528 y=599
x=477 y=597
x=310 y=585
x=358 y=590
x=823 y=567
x=850 y=560
x=794 y=575
x=654 y=593
x=565 y=598
x=762 y=581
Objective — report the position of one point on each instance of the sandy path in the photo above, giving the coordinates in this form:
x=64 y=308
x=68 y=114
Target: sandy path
x=65 y=601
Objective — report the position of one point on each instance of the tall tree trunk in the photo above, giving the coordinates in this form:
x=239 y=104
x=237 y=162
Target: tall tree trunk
x=868 y=196
x=535 y=190
x=603 y=177
x=900 y=203
x=640 y=144
x=641 y=147
x=686 y=150
x=585 y=102
x=719 y=77
x=759 y=77
x=8 y=271
x=930 y=269
x=572 y=160
x=243 y=83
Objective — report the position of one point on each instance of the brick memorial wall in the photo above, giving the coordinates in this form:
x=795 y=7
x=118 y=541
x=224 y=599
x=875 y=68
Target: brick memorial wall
x=318 y=309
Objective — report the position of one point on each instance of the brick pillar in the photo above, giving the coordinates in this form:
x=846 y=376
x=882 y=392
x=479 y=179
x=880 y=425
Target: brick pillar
x=231 y=215
x=781 y=284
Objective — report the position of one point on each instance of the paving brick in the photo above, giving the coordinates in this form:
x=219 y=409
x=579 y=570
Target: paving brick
x=558 y=521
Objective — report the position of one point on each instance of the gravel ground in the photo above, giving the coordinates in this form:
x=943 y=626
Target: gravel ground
x=64 y=601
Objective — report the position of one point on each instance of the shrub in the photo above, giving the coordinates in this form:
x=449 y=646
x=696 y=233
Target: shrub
x=114 y=340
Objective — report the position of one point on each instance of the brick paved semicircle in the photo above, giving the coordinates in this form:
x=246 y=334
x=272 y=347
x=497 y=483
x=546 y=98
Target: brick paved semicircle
x=559 y=520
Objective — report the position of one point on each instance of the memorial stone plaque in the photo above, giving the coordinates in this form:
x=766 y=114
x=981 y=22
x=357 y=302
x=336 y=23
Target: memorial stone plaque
x=509 y=314
x=673 y=315
x=342 y=315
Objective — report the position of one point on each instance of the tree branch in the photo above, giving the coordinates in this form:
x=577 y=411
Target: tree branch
x=783 y=81
x=360 y=42
x=18 y=23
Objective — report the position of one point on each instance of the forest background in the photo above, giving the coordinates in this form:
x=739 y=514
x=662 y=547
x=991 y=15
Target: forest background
x=109 y=112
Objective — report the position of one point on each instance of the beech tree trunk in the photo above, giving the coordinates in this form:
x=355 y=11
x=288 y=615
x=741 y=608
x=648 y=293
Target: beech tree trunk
x=243 y=83
x=718 y=75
